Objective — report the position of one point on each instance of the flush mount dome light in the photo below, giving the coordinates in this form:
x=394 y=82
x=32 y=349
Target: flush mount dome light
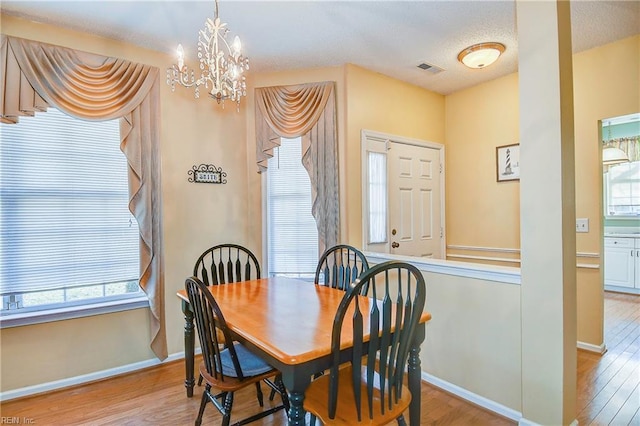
x=481 y=55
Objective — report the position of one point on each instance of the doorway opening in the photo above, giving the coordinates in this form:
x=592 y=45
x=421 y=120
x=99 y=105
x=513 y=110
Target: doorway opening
x=402 y=196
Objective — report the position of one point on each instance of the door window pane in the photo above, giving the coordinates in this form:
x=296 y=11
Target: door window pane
x=377 y=183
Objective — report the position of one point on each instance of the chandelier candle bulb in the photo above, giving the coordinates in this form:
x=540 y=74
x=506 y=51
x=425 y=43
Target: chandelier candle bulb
x=180 y=51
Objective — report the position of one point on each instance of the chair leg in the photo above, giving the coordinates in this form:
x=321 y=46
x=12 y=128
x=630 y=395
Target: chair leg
x=272 y=394
x=312 y=418
x=228 y=403
x=203 y=403
x=200 y=380
x=401 y=421
x=283 y=392
x=259 y=394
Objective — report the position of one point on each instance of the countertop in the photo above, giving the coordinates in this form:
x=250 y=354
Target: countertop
x=622 y=234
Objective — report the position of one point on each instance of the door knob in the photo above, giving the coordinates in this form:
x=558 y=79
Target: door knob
x=395 y=245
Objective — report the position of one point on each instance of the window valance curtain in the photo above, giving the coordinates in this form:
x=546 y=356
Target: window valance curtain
x=36 y=75
x=308 y=111
x=630 y=145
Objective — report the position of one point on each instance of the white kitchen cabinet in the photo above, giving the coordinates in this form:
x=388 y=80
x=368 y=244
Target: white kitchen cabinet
x=637 y=263
x=622 y=262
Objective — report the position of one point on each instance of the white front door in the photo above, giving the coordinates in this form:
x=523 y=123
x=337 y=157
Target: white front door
x=402 y=195
x=414 y=200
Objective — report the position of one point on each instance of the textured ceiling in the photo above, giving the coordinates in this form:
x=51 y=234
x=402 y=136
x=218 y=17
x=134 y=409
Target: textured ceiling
x=390 y=37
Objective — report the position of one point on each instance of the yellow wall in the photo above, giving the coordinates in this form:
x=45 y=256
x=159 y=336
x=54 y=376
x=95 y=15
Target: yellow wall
x=484 y=213
x=195 y=216
x=380 y=103
x=606 y=83
x=481 y=211
x=473 y=339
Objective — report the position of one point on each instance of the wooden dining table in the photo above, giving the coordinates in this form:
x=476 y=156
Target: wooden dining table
x=288 y=323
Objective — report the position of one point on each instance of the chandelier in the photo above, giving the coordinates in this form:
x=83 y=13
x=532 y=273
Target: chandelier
x=221 y=65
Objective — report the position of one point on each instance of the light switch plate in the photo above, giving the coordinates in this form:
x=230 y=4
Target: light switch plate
x=582 y=225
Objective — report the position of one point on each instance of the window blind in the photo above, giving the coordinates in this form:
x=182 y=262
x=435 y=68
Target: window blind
x=292 y=233
x=64 y=218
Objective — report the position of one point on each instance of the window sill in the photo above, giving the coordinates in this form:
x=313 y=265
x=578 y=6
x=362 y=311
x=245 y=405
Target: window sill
x=58 y=314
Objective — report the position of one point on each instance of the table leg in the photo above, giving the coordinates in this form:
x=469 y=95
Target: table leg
x=189 y=348
x=414 y=373
x=296 y=383
x=296 y=412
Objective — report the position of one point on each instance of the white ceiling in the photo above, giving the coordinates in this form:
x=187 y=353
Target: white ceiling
x=391 y=37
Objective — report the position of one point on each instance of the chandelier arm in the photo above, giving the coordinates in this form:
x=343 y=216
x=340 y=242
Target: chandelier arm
x=217 y=68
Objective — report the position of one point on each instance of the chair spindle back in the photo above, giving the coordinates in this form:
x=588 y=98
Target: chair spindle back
x=382 y=343
x=226 y=263
x=211 y=327
x=341 y=265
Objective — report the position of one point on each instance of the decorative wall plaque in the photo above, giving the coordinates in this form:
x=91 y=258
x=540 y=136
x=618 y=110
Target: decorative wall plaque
x=207 y=173
x=508 y=162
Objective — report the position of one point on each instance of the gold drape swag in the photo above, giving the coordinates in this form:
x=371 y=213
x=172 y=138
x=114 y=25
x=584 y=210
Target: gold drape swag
x=36 y=75
x=308 y=111
x=630 y=145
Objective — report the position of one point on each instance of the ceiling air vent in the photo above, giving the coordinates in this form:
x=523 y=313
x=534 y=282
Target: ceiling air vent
x=430 y=68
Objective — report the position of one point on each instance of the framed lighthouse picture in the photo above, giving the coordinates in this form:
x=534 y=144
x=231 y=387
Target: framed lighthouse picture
x=508 y=162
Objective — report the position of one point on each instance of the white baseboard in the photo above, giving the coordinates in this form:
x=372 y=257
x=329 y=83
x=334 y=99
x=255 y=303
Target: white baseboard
x=473 y=398
x=481 y=401
x=86 y=378
x=525 y=422
x=599 y=349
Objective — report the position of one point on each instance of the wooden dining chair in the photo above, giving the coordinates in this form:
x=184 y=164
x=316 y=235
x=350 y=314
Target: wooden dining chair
x=226 y=368
x=369 y=388
x=224 y=264
x=339 y=266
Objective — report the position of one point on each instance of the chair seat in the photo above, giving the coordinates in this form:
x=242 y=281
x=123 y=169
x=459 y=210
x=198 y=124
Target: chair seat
x=316 y=401
x=254 y=369
x=231 y=384
x=250 y=364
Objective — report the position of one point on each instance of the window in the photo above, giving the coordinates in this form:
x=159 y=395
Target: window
x=292 y=235
x=622 y=189
x=377 y=197
x=67 y=236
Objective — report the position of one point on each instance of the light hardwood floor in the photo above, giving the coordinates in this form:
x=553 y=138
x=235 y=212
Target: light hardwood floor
x=609 y=384
x=608 y=391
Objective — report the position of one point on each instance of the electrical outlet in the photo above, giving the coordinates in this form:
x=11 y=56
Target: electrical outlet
x=582 y=225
